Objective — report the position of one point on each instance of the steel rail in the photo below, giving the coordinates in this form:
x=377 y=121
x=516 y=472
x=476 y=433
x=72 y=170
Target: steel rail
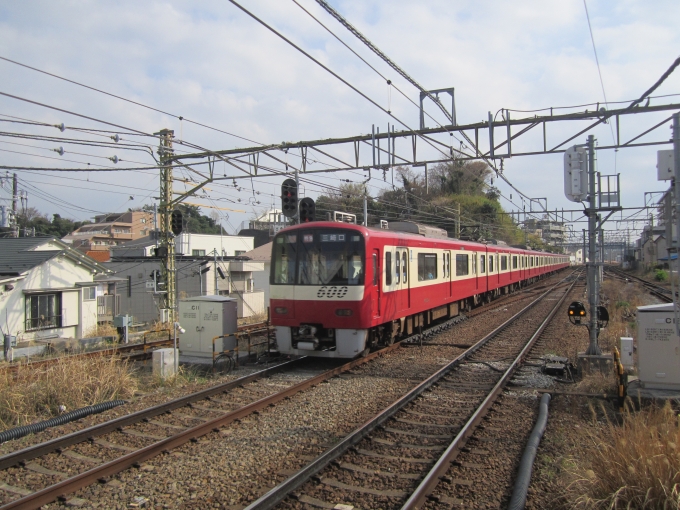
x=431 y=480
x=32 y=452
x=70 y=485
x=281 y=491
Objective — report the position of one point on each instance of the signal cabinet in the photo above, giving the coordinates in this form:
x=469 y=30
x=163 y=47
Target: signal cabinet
x=658 y=347
x=204 y=318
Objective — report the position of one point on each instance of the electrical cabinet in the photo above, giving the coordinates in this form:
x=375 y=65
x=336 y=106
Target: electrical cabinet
x=658 y=347
x=204 y=318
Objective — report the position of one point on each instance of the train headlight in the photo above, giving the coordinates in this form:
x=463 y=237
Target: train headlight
x=343 y=312
x=281 y=310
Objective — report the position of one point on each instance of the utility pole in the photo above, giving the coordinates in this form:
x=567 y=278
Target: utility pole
x=591 y=266
x=365 y=208
x=215 y=270
x=15 y=199
x=166 y=243
x=676 y=163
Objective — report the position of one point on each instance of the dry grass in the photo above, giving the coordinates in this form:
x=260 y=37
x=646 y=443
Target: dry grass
x=34 y=394
x=253 y=319
x=101 y=330
x=634 y=464
x=599 y=383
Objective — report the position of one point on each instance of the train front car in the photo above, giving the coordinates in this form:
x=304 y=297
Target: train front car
x=317 y=290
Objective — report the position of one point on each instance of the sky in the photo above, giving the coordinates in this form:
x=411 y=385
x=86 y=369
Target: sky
x=210 y=63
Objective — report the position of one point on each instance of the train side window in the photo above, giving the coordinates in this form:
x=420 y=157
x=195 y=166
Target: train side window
x=504 y=262
x=388 y=268
x=482 y=264
x=427 y=266
x=474 y=264
x=375 y=269
x=397 y=268
x=403 y=267
x=514 y=261
x=491 y=263
x=462 y=264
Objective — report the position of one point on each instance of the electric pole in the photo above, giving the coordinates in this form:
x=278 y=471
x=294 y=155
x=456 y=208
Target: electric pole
x=166 y=245
x=15 y=199
x=591 y=266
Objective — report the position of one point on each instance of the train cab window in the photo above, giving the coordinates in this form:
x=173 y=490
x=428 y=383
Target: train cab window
x=482 y=264
x=403 y=266
x=462 y=264
x=375 y=269
x=514 y=261
x=388 y=268
x=427 y=266
x=504 y=262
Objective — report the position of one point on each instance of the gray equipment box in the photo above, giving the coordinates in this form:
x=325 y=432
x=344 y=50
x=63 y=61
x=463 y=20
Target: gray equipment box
x=204 y=318
x=658 y=347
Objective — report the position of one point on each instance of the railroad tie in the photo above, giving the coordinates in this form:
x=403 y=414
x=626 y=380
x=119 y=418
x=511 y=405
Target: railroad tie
x=369 y=453
x=37 y=468
x=339 y=485
x=77 y=456
x=358 y=469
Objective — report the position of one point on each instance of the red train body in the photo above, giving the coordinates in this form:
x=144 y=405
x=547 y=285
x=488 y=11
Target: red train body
x=338 y=289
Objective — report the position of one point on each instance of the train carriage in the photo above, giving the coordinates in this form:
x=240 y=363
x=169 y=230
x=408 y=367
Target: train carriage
x=340 y=289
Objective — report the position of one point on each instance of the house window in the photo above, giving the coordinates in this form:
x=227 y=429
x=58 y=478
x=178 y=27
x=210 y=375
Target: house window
x=43 y=311
x=462 y=264
x=427 y=266
x=89 y=293
x=143 y=220
x=236 y=253
x=198 y=253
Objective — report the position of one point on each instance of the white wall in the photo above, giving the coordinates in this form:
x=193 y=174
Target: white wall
x=225 y=245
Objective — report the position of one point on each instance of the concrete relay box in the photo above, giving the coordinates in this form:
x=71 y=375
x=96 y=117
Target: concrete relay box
x=204 y=318
x=658 y=347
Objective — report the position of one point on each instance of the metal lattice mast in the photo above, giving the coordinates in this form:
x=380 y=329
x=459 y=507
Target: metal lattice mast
x=166 y=239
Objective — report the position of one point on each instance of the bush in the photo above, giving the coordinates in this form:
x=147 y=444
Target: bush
x=632 y=465
x=660 y=275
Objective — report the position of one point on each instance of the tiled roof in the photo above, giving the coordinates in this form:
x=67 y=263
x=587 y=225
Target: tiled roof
x=260 y=254
x=16 y=255
x=99 y=255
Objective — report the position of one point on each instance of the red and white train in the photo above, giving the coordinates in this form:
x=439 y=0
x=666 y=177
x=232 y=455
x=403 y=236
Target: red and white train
x=338 y=289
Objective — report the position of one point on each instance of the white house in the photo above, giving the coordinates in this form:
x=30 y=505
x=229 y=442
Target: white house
x=47 y=289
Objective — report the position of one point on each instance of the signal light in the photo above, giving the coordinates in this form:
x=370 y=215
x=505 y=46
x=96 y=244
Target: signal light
x=343 y=312
x=576 y=312
x=307 y=210
x=176 y=222
x=289 y=198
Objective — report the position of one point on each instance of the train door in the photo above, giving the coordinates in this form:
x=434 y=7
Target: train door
x=402 y=279
x=447 y=274
x=376 y=284
x=475 y=272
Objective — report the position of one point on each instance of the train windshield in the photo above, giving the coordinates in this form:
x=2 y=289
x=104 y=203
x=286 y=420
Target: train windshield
x=318 y=257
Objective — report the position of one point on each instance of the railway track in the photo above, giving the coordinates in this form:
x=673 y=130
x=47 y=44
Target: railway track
x=41 y=474
x=657 y=291
x=398 y=458
x=134 y=351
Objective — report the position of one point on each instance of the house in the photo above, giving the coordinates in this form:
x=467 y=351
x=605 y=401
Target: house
x=111 y=230
x=195 y=276
x=653 y=248
x=264 y=227
x=263 y=254
x=47 y=289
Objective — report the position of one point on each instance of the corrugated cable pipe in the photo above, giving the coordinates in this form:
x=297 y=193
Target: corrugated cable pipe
x=33 y=428
x=526 y=465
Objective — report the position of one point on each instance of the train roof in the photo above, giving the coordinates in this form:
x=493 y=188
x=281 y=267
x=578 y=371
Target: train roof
x=390 y=234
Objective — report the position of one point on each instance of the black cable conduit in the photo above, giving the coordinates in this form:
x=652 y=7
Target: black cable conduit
x=33 y=428
x=526 y=465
